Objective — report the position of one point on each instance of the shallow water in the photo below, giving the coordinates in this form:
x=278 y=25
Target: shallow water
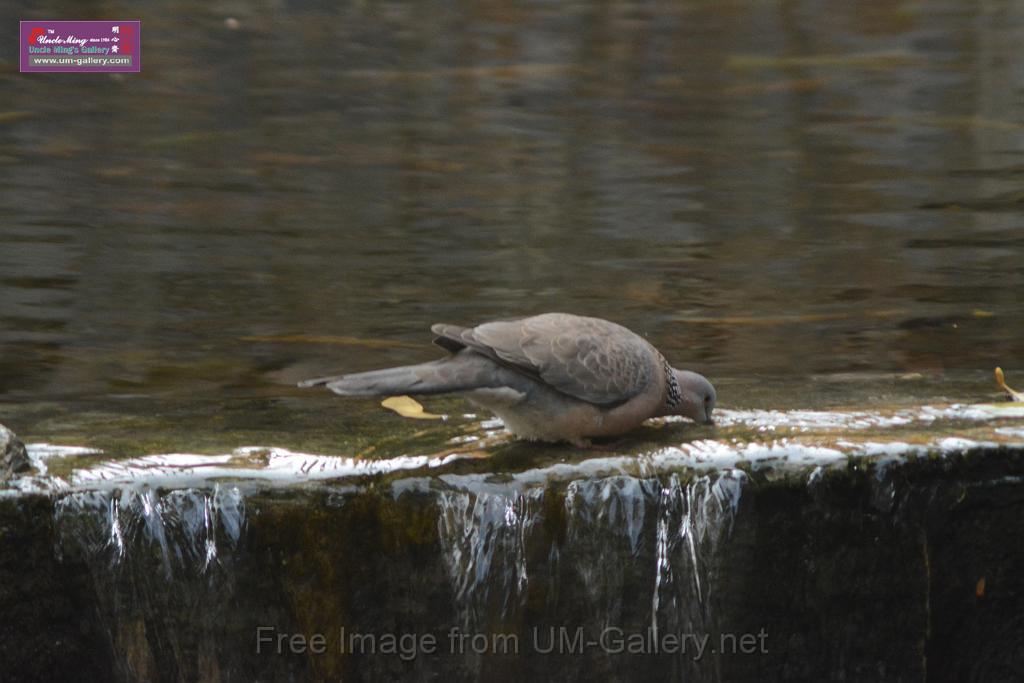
x=818 y=208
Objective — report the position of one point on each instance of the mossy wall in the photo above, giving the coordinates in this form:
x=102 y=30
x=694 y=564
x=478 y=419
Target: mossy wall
x=914 y=572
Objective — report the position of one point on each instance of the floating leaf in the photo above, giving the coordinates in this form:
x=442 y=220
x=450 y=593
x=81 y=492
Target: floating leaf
x=13 y=116
x=407 y=407
x=1001 y=381
x=979 y=589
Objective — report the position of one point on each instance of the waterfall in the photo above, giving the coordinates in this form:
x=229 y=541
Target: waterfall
x=514 y=560
x=161 y=568
x=483 y=537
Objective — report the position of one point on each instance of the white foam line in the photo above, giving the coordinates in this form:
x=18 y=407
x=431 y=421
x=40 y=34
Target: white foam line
x=49 y=450
x=281 y=465
x=806 y=420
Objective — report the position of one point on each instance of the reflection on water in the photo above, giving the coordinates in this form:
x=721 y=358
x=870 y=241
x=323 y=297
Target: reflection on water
x=762 y=189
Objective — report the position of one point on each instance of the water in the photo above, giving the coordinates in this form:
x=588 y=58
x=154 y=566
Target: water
x=815 y=206
x=508 y=560
x=182 y=579
x=771 y=194
x=137 y=543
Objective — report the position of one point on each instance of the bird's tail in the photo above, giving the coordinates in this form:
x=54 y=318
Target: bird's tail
x=437 y=377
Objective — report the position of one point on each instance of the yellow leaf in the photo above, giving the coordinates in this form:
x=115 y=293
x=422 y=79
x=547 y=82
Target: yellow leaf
x=1001 y=381
x=407 y=407
x=12 y=116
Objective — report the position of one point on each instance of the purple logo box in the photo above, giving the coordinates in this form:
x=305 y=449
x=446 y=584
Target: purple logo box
x=74 y=46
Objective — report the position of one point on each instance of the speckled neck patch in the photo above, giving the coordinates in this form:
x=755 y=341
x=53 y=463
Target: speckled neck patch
x=675 y=395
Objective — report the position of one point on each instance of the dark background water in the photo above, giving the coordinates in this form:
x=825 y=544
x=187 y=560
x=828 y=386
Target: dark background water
x=774 y=193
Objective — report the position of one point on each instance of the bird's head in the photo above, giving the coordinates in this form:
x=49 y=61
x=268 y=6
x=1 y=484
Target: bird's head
x=693 y=396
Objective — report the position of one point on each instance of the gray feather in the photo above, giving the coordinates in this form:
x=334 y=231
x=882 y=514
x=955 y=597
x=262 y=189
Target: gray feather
x=465 y=371
x=591 y=359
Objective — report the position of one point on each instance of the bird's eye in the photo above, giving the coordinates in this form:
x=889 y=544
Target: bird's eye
x=707 y=399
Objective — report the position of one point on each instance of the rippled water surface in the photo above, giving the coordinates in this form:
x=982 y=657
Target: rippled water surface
x=816 y=205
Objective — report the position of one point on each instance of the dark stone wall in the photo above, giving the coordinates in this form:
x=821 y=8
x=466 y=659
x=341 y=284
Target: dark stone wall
x=48 y=625
x=914 y=572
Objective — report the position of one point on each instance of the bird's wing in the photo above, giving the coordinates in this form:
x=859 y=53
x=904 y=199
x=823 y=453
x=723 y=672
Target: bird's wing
x=588 y=358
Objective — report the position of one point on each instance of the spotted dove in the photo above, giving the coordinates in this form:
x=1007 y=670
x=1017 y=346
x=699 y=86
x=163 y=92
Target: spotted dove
x=551 y=377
